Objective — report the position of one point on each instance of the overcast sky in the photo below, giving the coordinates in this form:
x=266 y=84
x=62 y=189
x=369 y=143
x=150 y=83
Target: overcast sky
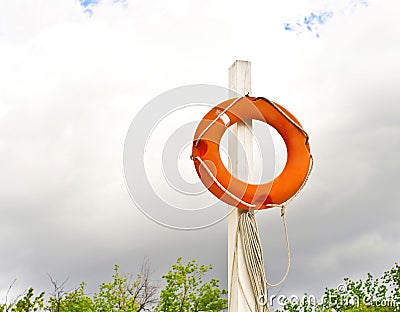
x=73 y=76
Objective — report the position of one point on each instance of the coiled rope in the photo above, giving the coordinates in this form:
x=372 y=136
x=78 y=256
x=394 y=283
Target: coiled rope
x=253 y=255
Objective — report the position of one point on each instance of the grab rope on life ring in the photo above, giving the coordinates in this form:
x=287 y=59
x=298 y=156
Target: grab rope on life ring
x=233 y=191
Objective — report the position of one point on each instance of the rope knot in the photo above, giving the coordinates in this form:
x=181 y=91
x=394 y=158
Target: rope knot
x=283 y=211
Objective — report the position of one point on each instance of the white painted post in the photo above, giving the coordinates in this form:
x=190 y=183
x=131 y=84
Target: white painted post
x=240 y=150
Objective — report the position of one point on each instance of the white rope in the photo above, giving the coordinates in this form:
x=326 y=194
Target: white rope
x=264 y=308
x=221 y=186
x=253 y=255
x=284 y=115
x=215 y=120
x=283 y=211
x=252 y=250
x=286 y=203
x=202 y=163
x=244 y=295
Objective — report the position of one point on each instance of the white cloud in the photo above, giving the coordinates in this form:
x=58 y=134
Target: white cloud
x=70 y=84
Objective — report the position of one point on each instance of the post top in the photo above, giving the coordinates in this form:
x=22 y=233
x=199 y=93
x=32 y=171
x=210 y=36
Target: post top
x=240 y=62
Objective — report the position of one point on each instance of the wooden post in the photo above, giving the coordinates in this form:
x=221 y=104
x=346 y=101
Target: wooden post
x=240 y=150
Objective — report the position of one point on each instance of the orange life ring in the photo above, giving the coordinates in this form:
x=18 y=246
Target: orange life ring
x=233 y=191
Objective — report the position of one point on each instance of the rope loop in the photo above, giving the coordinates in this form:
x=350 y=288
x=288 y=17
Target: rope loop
x=216 y=118
x=283 y=213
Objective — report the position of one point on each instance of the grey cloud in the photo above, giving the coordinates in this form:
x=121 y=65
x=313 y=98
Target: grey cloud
x=64 y=206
